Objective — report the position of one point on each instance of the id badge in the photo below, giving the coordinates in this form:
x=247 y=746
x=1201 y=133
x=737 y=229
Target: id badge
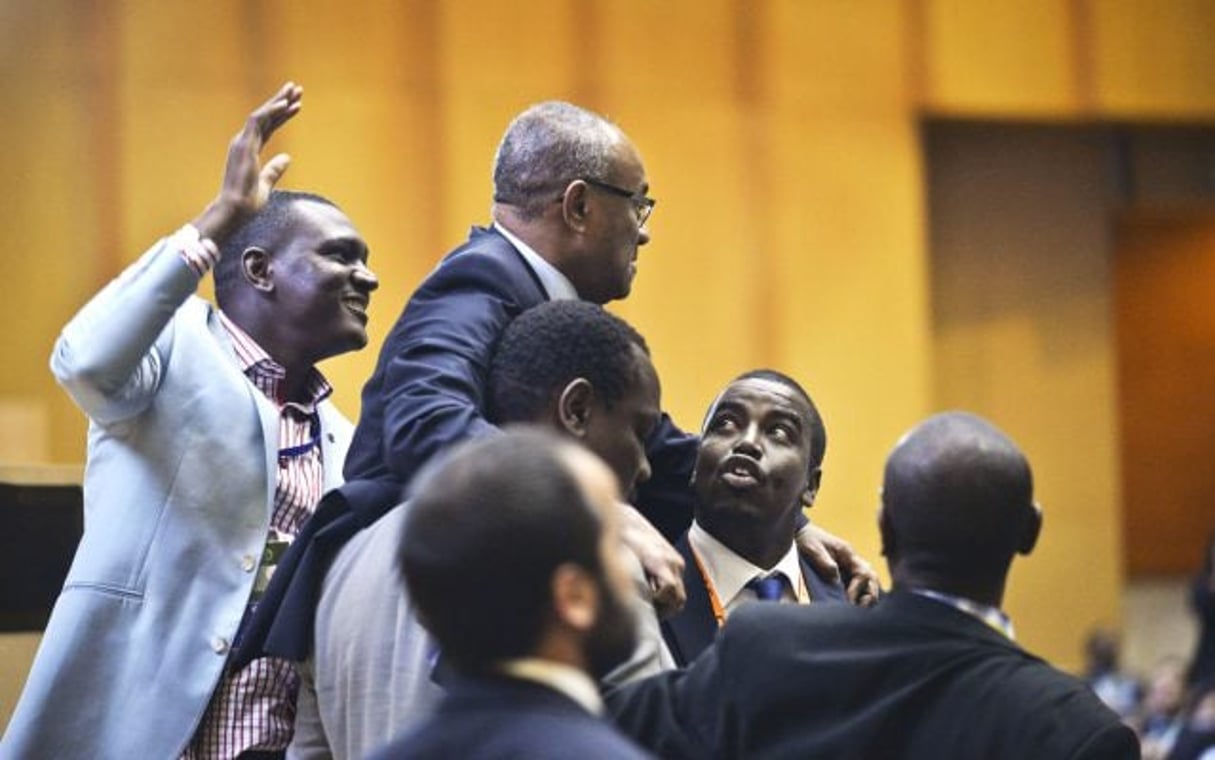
x=270 y=558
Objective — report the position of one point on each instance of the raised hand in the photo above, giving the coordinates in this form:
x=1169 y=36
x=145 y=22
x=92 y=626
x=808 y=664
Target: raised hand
x=247 y=183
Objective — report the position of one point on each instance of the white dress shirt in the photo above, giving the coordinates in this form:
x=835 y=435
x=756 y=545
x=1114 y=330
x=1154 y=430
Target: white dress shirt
x=566 y=679
x=556 y=285
x=729 y=573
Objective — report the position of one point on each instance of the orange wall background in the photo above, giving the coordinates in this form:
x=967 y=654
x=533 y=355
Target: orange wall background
x=781 y=139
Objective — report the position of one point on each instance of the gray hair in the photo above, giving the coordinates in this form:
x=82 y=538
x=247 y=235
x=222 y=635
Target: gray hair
x=546 y=147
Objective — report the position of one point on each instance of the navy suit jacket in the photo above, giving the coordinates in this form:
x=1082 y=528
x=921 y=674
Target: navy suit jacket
x=492 y=718
x=426 y=394
x=911 y=678
x=690 y=632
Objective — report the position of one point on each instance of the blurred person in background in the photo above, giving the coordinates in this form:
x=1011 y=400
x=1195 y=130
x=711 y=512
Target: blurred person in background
x=1202 y=600
x=1159 y=719
x=1119 y=690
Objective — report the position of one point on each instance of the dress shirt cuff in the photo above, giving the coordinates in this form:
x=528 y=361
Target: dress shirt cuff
x=199 y=253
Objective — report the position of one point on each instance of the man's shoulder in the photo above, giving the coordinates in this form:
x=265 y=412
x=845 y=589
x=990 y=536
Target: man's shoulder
x=485 y=249
x=487 y=266
x=369 y=555
x=512 y=722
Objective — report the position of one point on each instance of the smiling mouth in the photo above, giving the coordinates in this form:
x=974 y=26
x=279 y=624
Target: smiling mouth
x=356 y=306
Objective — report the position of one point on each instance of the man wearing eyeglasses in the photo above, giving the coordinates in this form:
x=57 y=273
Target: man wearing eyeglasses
x=569 y=218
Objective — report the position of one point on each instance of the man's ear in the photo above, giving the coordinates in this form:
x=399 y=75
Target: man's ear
x=575 y=597
x=575 y=205
x=814 y=480
x=886 y=531
x=255 y=268
x=575 y=406
x=1031 y=530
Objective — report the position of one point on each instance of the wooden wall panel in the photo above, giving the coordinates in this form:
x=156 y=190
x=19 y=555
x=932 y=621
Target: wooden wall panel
x=1023 y=335
x=1164 y=286
x=1153 y=60
x=844 y=224
x=1010 y=59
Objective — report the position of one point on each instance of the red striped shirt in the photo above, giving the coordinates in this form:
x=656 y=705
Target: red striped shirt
x=254 y=709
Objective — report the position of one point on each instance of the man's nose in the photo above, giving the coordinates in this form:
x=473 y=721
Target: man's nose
x=365 y=278
x=643 y=234
x=748 y=442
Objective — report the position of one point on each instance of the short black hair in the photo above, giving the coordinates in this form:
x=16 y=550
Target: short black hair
x=263 y=230
x=548 y=346
x=488 y=526
x=818 y=430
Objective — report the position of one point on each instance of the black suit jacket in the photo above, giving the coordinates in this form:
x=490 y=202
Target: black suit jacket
x=492 y=718
x=426 y=394
x=912 y=678
x=690 y=632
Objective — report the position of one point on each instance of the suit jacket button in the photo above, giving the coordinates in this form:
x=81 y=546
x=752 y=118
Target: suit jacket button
x=220 y=645
x=247 y=563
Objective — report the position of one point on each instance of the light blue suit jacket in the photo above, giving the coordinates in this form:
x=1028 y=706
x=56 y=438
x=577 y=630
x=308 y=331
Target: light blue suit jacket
x=178 y=493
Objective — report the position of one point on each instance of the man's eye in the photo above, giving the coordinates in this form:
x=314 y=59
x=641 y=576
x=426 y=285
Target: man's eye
x=783 y=433
x=722 y=424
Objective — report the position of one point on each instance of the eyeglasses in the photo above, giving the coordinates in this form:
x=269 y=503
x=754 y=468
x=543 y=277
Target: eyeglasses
x=642 y=204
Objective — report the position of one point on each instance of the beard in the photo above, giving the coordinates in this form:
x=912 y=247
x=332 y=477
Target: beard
x=614 y=636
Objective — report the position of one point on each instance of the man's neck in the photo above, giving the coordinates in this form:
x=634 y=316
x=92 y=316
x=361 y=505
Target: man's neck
x=761 y=545
x=558 y=676
x=985 y=593
x=533 y=232
x=297 y=371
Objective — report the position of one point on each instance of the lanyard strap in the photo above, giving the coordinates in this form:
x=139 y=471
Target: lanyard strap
x=719 y=611
x=294 y=451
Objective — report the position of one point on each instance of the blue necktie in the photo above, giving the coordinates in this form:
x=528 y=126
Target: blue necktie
x=768 y=589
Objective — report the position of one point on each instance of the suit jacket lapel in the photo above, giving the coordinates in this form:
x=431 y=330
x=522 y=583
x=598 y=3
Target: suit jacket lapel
x=691 y=631
x=504 y=247
x=820 y=590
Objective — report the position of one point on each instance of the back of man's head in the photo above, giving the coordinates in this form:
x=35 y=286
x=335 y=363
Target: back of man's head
x=548 y=346
x=547 y=146
x=486 y=530
x=267 y=229
x=957 y=504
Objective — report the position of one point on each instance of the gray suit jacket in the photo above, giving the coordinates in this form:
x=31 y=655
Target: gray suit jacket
x=369 y=677
x=178 y=493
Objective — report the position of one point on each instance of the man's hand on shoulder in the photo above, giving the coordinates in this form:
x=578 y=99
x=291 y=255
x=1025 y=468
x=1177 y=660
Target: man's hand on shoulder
x=835 y=560
x=663 y=565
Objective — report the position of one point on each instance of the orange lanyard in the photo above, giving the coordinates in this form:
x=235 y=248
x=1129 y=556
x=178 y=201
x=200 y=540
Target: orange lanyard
x=719 y=611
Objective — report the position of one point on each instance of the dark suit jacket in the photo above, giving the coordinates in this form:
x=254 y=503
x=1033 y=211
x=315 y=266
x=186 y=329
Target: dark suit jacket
x=427 y=393
x=484 y=719
x=912 y=678
x=688 y=633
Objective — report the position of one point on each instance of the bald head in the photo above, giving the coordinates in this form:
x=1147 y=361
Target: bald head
x=957 y=504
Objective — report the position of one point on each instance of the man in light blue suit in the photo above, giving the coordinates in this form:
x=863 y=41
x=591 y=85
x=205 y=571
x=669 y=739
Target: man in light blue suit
x=210 y=440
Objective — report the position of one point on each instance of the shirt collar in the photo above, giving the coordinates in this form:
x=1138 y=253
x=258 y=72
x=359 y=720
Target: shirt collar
x=989 y=616
x=729 y=572
x=566 y=679
x=556 y=285
x=265 y=373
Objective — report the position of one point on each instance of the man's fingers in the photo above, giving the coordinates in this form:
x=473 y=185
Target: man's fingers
x=275 y=112
x=811 y=547
x=274 y=169
x=863 y=591
x=668 y=594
